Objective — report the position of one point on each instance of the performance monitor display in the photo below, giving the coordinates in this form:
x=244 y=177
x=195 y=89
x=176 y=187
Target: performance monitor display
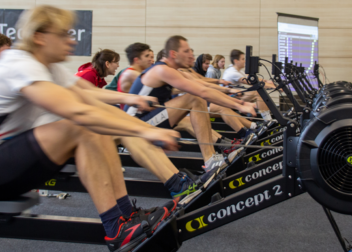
x=298 y=40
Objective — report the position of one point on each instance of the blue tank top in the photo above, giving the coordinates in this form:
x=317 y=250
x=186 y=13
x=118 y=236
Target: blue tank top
x=163 y=93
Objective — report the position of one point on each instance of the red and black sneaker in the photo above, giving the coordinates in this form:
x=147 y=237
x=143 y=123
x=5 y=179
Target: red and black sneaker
x=170 y=206
x=135 y=229
x=235 y=141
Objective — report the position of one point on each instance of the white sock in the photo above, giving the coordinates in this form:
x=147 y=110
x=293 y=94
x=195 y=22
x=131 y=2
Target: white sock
x=253 y=125
x=266 y=115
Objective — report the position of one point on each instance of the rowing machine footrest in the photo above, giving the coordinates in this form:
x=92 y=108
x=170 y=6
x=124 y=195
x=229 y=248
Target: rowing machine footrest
x=146 y=228
x=250 y=165
x=215 y=198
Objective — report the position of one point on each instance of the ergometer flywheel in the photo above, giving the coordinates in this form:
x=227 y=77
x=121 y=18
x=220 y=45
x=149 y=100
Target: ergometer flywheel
x=324 y=157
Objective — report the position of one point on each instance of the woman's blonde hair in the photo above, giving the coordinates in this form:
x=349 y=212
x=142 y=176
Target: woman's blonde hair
x=40 y=19
x=216 y=60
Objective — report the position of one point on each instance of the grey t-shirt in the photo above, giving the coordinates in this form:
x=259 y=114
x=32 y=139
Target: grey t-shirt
x=19 y=69
x=213 y=72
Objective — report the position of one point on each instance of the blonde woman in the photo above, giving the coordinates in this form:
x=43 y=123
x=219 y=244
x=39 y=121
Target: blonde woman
x=214 y=69
x=31 y=82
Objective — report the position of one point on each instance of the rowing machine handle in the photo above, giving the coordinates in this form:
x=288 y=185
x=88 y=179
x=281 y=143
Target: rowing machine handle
x=150 y=104
x=161 y=144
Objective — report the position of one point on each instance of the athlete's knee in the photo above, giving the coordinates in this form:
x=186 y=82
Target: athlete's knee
x=196 y=100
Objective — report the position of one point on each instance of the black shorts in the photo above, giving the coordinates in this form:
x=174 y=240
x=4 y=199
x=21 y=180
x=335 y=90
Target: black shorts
x=158 y=118
x=23 y=165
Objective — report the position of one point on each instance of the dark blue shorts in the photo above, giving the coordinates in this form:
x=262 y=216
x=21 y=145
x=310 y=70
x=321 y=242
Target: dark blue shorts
x=158 y=118
x=23 y=165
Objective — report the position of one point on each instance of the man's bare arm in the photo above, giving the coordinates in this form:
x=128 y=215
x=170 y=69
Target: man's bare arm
x=175 y=79
x=112 y=97
x=87 y=111
x=191 y=76
x=210 y=80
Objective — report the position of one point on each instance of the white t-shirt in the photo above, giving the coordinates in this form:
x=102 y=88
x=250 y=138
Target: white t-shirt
x=19 y=69
x=233 y=75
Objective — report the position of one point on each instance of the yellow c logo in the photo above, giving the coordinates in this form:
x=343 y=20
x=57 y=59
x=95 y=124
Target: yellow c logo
x=212 y=119
x=267 y=141
x=200 y=223
x=257 y=158
x=349 y=159
x=240 y=183
x=51 y=182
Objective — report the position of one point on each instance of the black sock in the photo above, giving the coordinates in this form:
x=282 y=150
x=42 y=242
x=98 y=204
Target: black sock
x=173 y=183
x=125 y=205
x=242 y=132
x=110 y=221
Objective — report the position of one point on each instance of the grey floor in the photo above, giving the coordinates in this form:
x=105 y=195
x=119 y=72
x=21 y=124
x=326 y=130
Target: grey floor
x=298 y=224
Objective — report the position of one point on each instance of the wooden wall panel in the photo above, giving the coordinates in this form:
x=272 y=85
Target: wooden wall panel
x=268 y=41
x=336 y=68
x=268 y=16
x=17 y=4
x=334 y=43
x=206 y=40
x=331 y=14
x=107 y=12
x=211 y=27
x=116 y=38
x=203 y=13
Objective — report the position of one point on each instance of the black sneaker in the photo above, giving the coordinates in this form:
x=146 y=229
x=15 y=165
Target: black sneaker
x=170 y=206
x=135 y=229
x=188 y=186
x=201 y=183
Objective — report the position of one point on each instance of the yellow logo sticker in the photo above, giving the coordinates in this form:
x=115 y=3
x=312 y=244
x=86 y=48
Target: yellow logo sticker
x=51 y=182
x=257 y=158
x=349 y=159
x=201 y=224
x=240 y=183
x=267 y=141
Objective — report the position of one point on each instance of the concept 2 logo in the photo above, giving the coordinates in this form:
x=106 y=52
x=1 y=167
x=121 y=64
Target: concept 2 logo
x=272 y=140
x=200 y=224
x=229 y=211
x=255 y=175
x=265 y=154
x=239 y=181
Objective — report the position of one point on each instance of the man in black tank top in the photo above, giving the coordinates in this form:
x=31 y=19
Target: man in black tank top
x=155 y=80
